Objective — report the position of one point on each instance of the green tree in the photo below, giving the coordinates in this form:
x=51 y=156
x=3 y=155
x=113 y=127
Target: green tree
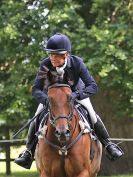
x=100 y=31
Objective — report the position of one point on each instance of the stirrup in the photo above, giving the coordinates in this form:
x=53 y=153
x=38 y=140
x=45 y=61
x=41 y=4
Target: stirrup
x=26 y=150
x=29 y=152
x=109 y=152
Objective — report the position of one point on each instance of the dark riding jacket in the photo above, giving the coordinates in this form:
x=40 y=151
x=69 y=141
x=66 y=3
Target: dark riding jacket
x=83 y=83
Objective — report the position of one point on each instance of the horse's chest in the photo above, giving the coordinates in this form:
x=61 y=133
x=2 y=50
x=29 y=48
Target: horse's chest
x=56 y=165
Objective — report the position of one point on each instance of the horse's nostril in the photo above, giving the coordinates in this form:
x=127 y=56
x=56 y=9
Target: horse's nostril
x=57 y=133
x=68 y=132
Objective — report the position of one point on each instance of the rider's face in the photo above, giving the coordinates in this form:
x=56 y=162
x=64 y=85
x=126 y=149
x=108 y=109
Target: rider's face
x=57 y=59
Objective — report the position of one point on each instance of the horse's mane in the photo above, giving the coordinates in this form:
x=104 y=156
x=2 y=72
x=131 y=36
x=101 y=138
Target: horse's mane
x=51 y=77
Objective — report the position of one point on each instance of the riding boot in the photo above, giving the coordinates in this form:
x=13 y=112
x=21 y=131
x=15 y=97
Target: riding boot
x=25 y=159
x=112 y=150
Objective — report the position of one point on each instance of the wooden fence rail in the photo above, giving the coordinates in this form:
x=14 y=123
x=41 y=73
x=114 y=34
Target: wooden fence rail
x=6 y=146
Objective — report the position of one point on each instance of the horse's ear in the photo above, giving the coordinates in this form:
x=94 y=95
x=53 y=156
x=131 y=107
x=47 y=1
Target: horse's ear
x=54 y=77
x=51 y=77
x=42 y=73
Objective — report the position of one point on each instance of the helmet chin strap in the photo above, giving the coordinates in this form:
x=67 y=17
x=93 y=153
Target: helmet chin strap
x=60 y=70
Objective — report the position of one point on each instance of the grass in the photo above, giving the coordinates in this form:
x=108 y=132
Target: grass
x=21 y=172
x=34 y=174
x=17 y=171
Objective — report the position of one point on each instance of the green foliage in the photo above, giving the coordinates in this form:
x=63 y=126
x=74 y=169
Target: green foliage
x=113 y=60
x=104 y=41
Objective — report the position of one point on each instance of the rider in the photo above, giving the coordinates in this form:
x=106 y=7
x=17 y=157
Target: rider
x=59 y=48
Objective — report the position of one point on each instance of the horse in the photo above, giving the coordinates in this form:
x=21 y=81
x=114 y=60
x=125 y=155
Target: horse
x=63 y=149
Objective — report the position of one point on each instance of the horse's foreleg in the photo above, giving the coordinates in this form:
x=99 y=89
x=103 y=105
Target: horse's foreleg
x=84 y=173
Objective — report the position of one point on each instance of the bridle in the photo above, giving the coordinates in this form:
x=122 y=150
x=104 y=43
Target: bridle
x=53 y=119
x=62 y=150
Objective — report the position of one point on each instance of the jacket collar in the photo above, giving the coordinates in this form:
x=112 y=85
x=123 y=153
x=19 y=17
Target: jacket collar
x=69 y=64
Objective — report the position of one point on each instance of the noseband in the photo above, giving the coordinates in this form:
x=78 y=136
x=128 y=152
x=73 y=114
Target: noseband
x=53 y=118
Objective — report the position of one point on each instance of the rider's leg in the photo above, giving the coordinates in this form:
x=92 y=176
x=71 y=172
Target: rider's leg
x=25 y=159
x=113 y=151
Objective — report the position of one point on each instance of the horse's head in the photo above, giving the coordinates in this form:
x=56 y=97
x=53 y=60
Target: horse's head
x=61 y=110
x=60 y=101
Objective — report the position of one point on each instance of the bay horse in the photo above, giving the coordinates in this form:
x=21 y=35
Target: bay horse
x=64 y=150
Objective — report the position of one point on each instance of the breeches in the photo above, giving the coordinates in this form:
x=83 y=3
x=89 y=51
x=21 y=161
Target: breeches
x=87 y=104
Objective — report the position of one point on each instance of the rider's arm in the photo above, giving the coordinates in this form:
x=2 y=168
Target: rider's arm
x=89 y=82
x=38 y=90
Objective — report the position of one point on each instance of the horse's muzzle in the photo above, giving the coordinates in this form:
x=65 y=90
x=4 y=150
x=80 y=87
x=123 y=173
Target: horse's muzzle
x=63 y=135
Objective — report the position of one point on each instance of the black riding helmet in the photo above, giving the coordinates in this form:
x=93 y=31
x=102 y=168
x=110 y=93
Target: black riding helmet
x=58 y=43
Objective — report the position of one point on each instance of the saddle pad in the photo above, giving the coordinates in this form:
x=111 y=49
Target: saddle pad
x=43 y=120
x=84 y=115
x=85 y=120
